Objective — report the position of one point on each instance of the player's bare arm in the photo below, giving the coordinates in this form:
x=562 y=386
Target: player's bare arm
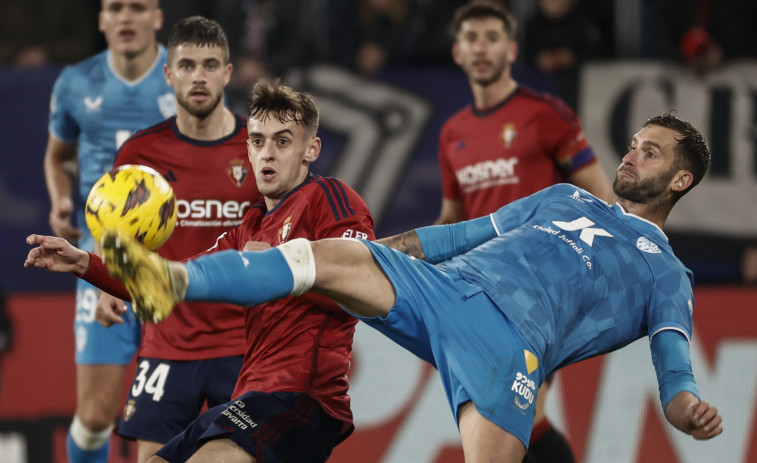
x=60 y=173
x=407 y=242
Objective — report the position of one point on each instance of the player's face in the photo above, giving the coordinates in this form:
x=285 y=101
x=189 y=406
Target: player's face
x=130 y=25
x=647 y=172
x=280 y=153
x=483 y=50
x=198 y=75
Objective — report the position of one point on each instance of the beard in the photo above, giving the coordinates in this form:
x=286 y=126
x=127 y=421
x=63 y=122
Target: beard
x=644 y=190
x=498 y=69
x=200 y=111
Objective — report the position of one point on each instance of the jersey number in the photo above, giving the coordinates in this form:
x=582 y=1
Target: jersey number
x=155 y=384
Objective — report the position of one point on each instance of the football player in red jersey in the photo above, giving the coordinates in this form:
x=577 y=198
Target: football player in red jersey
x=196 y=355
x=509 y=143
x=290 y=401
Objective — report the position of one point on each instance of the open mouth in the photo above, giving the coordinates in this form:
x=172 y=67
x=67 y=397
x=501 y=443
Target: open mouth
x=127 y=34
x=267 y=173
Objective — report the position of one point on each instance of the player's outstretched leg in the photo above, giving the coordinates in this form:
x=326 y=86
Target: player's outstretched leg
x=155 y=284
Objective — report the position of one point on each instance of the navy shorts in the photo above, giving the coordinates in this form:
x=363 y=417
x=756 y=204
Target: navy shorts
x=272 y=427
x=455 y=326
x=166 y=396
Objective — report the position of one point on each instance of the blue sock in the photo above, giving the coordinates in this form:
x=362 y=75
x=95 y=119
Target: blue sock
x=243 y=278
x=78 y=455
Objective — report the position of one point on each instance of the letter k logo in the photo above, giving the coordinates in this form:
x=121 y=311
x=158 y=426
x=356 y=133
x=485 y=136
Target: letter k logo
x=587 y=234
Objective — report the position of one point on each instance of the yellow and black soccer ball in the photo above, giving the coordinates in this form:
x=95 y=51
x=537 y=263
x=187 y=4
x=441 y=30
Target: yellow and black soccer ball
x=135 y=199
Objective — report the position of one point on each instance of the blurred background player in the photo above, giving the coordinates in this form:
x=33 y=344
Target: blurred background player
x=511 y=142
x=96 y=105
x=196 y=355
x=293 y=384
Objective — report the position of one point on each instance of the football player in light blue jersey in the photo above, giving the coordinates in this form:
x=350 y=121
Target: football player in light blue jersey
x=497 y=302
x=96 y=105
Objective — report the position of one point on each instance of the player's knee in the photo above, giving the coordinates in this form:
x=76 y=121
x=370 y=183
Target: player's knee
x=88 y=438
x=94 y=419
x=298 y=254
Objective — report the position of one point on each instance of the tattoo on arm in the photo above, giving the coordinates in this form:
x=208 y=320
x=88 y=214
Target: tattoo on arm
x=407 y=242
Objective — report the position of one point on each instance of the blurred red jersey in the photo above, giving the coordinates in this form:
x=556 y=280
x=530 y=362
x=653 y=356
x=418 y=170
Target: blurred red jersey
x=214 y=187
x=526 y=143
x=302 y=344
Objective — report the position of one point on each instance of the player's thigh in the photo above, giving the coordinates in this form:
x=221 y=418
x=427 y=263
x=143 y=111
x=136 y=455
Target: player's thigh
x=95 y=344
x=146 y=449
x=347 y=272
x=484 y=441
x=98 y=392
x=224 y=450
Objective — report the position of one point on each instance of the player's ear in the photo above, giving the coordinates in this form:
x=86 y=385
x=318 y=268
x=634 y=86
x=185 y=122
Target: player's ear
x=456 y=52
x=167 y=73
x=227 y=73
x=158 y=19
x=314 y=150
x=681 y=180
x=512 y=51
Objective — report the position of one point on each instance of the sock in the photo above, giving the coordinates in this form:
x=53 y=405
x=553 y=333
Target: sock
x=87 y=447
x=251 y=278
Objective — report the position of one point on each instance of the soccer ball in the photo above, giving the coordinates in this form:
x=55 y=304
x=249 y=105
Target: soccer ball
x=135 y=199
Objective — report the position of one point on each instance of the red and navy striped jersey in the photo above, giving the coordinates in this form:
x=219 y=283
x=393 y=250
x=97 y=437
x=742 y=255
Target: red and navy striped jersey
x=214 y=186
x=302 y=344
x=528 y=142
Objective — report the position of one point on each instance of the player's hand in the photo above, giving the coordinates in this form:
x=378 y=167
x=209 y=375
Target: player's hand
x=256 y=246
x=109 y=310
x=60 y=220
x=703 y=420
x=56 y=255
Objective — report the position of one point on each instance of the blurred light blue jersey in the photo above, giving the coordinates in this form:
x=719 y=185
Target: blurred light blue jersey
x=579 y=277
x=93 y=106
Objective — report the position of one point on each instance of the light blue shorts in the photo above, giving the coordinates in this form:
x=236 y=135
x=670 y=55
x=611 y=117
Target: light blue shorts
x=453 y=325
x=97 y=345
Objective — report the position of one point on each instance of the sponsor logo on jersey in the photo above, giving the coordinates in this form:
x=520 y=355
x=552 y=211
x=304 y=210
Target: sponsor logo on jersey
x=284 y=230
x=508 y=134
x=645 y=245
x=93 y=105
x=211 y=208
x=129 y=409
x=237 y=172
x=167 y=104
x=487 y=174
x=576 y=196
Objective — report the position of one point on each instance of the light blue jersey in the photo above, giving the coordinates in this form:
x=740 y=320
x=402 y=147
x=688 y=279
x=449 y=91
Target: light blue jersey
x=579 y=277
x=94 y=107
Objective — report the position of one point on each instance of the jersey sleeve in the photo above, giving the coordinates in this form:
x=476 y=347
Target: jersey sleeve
x=62 y=124
x=518 y=212
x=339 y=212
x=450 y=186
x=672 y=304
x=569 y=146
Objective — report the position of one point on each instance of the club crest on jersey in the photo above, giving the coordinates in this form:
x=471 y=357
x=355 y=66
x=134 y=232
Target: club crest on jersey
x=284 y=230
x=237 y=172
x=508 y=134
x=93 y=105
x=647 y=246
x=129 y=409
x=167 y=104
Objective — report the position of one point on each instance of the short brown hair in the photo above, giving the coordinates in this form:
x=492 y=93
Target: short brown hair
x=692 y=152
x=199 y=31
x=478 y=9
x=274 y=99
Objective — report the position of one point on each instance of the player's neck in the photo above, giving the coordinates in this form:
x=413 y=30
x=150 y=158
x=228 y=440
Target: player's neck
x=134 y=67
x=485 y=97
x=219 y=124
x=655 y=212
